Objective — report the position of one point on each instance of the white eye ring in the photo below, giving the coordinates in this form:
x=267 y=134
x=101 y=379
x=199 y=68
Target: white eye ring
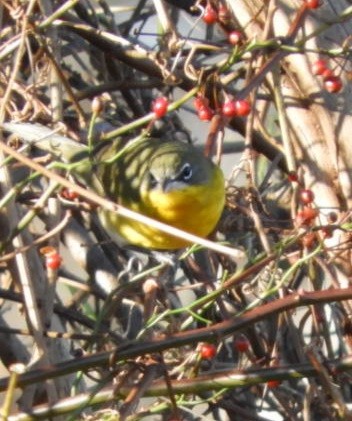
x=186 y=172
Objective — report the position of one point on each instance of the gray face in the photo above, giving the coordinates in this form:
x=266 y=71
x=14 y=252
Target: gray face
x=169 y=180
x=173 y=170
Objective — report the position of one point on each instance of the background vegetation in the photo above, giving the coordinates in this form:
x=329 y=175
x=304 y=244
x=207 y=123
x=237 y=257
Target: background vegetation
x=258 y=329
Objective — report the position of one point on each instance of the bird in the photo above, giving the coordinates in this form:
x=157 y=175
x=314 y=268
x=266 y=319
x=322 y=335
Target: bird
x=167 y=180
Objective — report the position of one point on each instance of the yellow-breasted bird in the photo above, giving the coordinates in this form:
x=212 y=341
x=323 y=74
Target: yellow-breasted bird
x=166 y=180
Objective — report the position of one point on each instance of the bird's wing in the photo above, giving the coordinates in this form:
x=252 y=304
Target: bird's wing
x=63 y=148
x=46 y=139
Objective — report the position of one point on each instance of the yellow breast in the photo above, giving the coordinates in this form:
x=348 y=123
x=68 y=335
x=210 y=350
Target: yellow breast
x=195 y=209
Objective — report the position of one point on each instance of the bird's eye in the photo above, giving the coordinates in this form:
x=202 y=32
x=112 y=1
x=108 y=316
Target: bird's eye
x=186 y=172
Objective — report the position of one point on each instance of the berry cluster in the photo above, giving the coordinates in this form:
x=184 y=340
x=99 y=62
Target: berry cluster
x=208 y=351
x=307 y=213
x=201 y=104
x=332 y=83
x=230 y=108
x=233 y=108
x=212 y=15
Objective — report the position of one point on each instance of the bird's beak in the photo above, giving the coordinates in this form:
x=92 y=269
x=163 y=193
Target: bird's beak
x=165 y=185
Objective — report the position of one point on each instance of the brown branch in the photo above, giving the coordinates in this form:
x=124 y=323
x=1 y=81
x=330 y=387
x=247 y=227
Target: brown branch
x=146 y=62
x=200 y=384
x=211 y=333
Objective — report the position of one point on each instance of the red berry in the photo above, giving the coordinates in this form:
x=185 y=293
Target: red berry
x=292 y=176
x=205 y=113
x=306 y=196
x=243 y=107
x=53 y=260
x=306 y=216
x=200 y=101
x=207 y=351
x=333 y=84
x=312 y=4
x=69 y=194
x=319 y=67
x=210 y=15
x=159 y=106
x=327 y=73
x=241 y=344
x=229 y=108
x=272 y=384
x=235 y=37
